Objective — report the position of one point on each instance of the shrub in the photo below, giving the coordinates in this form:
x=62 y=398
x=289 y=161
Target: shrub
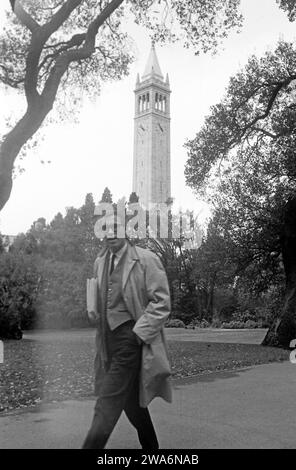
x=204 y=324
x=227 y=312
x=19 y=282
x=236 y=324
x=247 y=317
x=61 y=302
x=216 y=323
x=253 y=324
x=194 y=323
x=232 y=324
x=190 y=326
x=175 y=323
x=185 y=306
x=261 y=309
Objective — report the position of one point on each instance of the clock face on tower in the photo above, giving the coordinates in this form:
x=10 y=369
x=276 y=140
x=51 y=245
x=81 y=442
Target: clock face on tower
x=160 y=128
x=141 y=130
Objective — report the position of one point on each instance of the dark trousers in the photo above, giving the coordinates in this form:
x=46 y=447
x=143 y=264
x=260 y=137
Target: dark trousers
x=119 y=392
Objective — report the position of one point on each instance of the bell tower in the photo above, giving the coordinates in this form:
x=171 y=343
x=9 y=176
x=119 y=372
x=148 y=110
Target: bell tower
x=151 y=162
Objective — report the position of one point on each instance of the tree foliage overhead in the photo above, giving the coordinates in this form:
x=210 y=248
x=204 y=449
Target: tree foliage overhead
x=49 y=35
x=289 y=6
x=257 y=111
x=43 y=40
x=248 y=140
x=57 y=45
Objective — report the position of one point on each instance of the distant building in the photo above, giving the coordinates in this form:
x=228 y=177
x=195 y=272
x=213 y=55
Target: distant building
x=152 y=159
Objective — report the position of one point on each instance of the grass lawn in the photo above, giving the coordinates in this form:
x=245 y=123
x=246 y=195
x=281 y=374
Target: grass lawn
x=59 y=368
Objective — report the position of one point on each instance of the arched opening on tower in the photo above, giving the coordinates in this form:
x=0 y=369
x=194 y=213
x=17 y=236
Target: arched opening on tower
x=160 y=102
x=144 y=102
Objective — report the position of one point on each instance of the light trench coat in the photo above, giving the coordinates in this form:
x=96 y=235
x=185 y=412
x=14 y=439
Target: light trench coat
x=146 y=294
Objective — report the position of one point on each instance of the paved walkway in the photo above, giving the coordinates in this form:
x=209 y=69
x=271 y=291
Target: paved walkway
x=248 y=408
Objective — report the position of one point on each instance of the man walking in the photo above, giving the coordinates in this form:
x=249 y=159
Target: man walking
x=131 y=364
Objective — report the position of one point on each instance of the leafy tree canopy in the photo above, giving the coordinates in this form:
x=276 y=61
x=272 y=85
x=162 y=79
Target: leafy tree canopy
x=133 y=198
x=257 y=113
x=55 y=51
x=289 y=6
x=248 y=141
x=106 y=196
x=85 y=38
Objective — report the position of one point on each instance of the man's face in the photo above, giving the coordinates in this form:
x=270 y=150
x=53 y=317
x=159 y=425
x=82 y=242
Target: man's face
x=114 y=244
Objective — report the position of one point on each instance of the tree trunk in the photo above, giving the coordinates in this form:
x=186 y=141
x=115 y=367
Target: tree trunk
x=210 y=302
x=283 y=329
x=12 y=144
x=5 y=185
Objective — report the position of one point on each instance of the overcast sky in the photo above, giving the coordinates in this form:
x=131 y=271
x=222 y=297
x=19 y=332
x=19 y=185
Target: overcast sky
x=98 y=151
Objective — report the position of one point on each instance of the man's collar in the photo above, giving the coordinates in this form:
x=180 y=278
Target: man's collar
x=120 y=252
x=132 y=252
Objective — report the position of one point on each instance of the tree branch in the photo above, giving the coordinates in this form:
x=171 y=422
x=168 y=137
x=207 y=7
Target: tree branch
x=93 y=28
x=84 y=52
x=279 y=86
x=23 y=16
x=59 y=18
x=75 y=41
x=40 y=105
x=39 y=38
x=265 y=132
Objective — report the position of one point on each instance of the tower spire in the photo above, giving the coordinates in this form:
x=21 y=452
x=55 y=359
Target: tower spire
x=152 y=66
